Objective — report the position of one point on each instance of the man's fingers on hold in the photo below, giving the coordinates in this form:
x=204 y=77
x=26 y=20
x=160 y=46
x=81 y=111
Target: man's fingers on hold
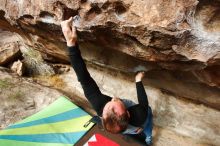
x=66 y=22
x=73 y=29
x=70 y=19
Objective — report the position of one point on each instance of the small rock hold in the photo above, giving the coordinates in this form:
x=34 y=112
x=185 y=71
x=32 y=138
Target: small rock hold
x=18 y=67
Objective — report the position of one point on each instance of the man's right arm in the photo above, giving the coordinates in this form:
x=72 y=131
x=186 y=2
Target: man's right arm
x=90 y=88
x=79 y=66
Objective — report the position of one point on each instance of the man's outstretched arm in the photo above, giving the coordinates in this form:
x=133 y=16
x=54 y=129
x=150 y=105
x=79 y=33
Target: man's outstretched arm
x=141 y=94
x=90 y=88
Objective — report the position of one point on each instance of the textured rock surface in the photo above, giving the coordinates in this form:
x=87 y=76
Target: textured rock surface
x=180 y=37
x=177 y=41
x=176 y=32
x=21 y=97
x=9 y=47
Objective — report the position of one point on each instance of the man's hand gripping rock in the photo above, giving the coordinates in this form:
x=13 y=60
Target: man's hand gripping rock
x=69 y=32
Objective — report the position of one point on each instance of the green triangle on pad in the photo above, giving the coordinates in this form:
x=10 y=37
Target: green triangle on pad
x=59 y=124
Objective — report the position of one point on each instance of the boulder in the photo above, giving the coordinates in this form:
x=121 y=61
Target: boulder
x=9 y=52
x=177 y=42
x=174 y=35
x=9 y=47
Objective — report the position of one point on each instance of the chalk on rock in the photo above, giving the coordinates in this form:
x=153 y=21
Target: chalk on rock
x=76 y=21
x=140 y=68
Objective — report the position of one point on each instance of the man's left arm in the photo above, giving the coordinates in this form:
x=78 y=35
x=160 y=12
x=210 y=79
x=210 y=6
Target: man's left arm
x=141 y=94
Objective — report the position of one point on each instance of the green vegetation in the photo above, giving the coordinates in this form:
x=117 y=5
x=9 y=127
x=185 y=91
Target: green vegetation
x=16 y=96
x=5 y=83
x=33 y=54
x=35 y=63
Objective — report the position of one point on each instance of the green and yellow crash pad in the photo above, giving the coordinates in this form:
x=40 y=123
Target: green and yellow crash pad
x=59 y=124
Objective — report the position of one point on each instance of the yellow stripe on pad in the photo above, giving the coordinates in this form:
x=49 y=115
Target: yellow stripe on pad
x=21 y=143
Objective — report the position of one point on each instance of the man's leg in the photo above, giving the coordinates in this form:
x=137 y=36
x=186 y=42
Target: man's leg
x=149 y=127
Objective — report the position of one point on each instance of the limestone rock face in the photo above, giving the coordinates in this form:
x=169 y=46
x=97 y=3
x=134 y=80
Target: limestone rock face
x=176 y=41
x=175 y=35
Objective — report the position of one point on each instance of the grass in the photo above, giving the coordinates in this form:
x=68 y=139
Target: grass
x=16 y=96
x=13 y=95
x=33 y=54
x=5 y=83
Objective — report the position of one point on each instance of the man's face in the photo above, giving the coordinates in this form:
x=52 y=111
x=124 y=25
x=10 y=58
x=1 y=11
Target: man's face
x=115 y=105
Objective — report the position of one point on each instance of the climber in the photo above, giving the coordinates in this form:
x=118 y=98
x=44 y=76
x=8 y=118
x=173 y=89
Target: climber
x=118 y=115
